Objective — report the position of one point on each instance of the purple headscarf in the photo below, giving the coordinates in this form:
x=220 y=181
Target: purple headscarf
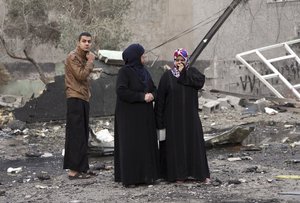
x=184 y=54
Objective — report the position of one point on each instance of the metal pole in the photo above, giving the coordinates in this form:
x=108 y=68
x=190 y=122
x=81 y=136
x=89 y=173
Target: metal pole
x=213 y=31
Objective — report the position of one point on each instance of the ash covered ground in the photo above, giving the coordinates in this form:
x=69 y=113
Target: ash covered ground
x=263 y=168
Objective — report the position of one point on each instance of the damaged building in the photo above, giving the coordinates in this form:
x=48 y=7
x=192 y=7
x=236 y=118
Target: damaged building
x=231 y=80
x=249 y=106
x=239 y=33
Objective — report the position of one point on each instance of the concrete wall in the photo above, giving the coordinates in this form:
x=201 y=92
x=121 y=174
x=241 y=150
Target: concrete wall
x=154 y=22
x=251 y=25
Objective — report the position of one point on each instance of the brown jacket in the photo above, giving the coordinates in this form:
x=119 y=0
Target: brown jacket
x=77 y=71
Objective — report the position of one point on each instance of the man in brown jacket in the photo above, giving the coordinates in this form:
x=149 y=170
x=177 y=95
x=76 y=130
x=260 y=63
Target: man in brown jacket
x=78 y=66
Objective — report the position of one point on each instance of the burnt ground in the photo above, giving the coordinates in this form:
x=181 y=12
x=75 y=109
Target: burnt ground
x=274 y=152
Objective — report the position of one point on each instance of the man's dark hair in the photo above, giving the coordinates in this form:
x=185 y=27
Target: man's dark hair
x=87 y=34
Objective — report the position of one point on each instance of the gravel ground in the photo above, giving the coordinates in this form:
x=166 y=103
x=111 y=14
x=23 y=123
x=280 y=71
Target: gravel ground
x=239 y=174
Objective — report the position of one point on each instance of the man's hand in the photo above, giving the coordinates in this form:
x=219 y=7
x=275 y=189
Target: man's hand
x=90 y=57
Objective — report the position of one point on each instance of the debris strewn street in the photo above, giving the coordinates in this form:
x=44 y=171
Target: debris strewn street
x=263 y=167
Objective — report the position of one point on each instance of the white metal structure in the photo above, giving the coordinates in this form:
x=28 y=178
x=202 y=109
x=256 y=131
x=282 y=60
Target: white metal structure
x=275 y=73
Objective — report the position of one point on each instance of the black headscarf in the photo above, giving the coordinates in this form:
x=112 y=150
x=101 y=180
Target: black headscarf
x=132 y=58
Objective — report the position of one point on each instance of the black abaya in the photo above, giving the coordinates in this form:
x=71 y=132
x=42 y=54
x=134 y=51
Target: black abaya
x=136 y=147
x=183 y=152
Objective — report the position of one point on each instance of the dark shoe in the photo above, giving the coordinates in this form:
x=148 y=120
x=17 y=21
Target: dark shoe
x=79 y=176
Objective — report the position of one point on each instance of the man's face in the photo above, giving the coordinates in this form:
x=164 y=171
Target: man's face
x=85 y=43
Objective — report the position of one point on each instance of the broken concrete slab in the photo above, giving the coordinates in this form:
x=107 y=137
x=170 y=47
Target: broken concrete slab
x=234 y=101
x=101 y=143
x=210 y=106
x=113 y=61
x=11 y=101
x=25 y=80
x=27 y=88
x=223 y=101
x=16 y=125
x=51 y=104
x=234 y=135
x=111 y=57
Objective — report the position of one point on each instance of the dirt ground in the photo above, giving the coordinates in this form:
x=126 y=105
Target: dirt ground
x=239 y=174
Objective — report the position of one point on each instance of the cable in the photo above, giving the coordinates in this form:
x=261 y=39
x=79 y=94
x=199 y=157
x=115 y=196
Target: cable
x=189 y=30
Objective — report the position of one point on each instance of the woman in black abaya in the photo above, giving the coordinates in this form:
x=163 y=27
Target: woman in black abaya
x=183 y=154
x=136 y=147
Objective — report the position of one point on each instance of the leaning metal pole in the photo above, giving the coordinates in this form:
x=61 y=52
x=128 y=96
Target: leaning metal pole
x=213 y=31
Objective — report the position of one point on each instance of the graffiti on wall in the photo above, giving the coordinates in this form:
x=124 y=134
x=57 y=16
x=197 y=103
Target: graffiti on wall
x=251 y=84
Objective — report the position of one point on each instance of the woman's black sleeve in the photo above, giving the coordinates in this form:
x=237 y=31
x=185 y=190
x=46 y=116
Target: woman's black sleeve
x=124 y=92
x=192 y=77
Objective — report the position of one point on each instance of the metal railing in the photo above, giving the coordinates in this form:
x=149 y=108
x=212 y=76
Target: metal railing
x=275 y=73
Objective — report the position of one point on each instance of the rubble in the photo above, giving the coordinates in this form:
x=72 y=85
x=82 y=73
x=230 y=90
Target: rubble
x=270 y=111
x=2 y=192
x=111 y=57
x=246 y=153
x=234 y=135
x=11 y=101
x=43 y=176
x=46 y=108
x=5 y=117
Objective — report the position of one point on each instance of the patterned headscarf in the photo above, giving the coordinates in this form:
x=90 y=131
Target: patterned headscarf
x=184 y=54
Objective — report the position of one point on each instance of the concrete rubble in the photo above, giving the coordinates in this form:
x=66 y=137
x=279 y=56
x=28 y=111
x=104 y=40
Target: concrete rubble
x=111 y=57
x=11 y=101
x=248 y=149
x=46 y=108
x=209 y=103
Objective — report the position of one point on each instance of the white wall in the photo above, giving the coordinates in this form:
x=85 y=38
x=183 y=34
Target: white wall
x=251 y=25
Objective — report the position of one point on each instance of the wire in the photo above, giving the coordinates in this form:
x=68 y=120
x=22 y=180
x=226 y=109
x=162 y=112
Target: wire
x=189 y=30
